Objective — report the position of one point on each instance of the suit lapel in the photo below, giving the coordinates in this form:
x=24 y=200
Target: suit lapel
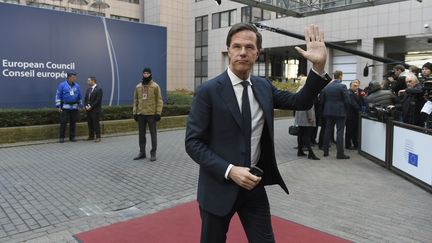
x=226 y=91
x=259 y=91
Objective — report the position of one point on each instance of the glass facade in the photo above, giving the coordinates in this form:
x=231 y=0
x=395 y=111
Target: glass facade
x=201 y=50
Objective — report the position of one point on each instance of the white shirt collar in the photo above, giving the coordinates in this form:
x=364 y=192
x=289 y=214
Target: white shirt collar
x=94 y=86
x=235 y=79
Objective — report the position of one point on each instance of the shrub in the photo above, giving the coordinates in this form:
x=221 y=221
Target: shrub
x=178 y=103
x=286 y=86
x=21 y=117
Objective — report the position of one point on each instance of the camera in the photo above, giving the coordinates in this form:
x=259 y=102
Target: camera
x=427 y=89
x=379 y=112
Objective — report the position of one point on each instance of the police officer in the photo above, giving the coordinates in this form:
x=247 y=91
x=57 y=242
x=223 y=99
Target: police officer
x=68 y=101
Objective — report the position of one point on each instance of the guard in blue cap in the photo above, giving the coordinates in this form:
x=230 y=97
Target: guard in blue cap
x=68 y=101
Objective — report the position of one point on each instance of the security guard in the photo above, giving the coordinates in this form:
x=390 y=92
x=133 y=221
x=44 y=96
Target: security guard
x=147 y=109
x=68 y=101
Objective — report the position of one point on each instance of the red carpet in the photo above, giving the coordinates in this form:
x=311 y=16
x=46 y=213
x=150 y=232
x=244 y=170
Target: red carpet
x=181 y=224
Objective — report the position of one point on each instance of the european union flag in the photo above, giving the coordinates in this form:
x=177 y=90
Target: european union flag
x=413 y=159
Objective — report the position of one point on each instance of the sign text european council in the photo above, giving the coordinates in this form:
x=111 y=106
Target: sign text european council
x=22 y=69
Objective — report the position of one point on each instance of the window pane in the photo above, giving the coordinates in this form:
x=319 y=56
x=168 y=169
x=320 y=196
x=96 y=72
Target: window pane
x=204 y=53
x=215 y=21
x=246 y=14
x=198 y=39
x=204 y=69
x=197 y=68
x=233 y=17
x=205 y=23
x=266 y=15
x=204 y=38
x=198 y=24
x=256 y=14
x=224 y=19
x=197 y=53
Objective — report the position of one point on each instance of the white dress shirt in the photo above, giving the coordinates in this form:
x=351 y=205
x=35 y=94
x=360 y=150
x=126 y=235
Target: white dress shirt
x=256 y=113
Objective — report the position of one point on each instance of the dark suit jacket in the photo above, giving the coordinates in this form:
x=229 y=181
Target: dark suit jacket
x=354 y=106
x=214 y=136
x=335 y=99
x=95 y=100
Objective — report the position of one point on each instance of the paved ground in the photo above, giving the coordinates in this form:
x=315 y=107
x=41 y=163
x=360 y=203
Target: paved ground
x=49 y=192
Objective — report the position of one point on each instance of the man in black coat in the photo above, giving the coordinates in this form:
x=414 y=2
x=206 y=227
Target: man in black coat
x=351 y=134
x=230 y=129
x=93 y=106
x=336 y=101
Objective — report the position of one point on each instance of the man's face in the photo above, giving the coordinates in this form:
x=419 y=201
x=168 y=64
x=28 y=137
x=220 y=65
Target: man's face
x=90 y=82
x=354 y=86
x=146 y=74
x=426 y=72
x=410 y=82
x=72 y=78
x=243 y=52
x=397 y=72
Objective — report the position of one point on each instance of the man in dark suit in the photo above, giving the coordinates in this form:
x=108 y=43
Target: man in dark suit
x=230 y=129
x=335 y=101
x=93 y=106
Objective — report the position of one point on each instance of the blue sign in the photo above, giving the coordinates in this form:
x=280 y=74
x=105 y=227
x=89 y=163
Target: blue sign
x=413 y=159
x=37 y=50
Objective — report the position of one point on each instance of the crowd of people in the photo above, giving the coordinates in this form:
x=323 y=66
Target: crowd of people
x=404 y=95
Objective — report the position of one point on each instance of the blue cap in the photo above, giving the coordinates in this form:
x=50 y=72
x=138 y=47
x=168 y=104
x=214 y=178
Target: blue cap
x=71 y=73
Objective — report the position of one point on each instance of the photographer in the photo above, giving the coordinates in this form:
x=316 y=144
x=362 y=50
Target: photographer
x=426 y=72
x=397 y=82
x=378 y=96
x=379 y=101
x=411 y=101
x=426 y=111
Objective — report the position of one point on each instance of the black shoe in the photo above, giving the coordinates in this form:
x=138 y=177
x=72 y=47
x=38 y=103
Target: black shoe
x=342 y=157
x=352 y=148
x=153 y=157
x=61 y=140
x=300 y=153
x=72 y=140
x=312 y=156
x=326 y=154
x=140 y=156
x=89 y=139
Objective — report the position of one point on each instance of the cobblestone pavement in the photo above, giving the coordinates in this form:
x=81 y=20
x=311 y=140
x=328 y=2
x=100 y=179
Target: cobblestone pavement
x=51 y=191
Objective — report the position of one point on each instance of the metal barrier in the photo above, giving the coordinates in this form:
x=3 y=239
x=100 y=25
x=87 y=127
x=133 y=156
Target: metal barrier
x=402 y=148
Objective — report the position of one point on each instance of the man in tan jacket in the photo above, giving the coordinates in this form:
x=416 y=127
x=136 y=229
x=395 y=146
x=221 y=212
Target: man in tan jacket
x=147 y=109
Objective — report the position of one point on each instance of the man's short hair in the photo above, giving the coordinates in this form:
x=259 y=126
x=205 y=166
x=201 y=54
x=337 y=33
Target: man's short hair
x=399 y=67
x=92 y=78
x=241 y=27
x=337 y=74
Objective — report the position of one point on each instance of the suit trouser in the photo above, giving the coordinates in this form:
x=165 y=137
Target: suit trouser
x=93 y=124
x=253 y=210
x=304 y=137
x=351 y=134
x=143 y=120
x=340 y=126
x=66 y=116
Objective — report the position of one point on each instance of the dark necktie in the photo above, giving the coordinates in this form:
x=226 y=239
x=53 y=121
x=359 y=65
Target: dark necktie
x=247 y=123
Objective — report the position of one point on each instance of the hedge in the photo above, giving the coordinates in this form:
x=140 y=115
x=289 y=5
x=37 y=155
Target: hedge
x=21 y=117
